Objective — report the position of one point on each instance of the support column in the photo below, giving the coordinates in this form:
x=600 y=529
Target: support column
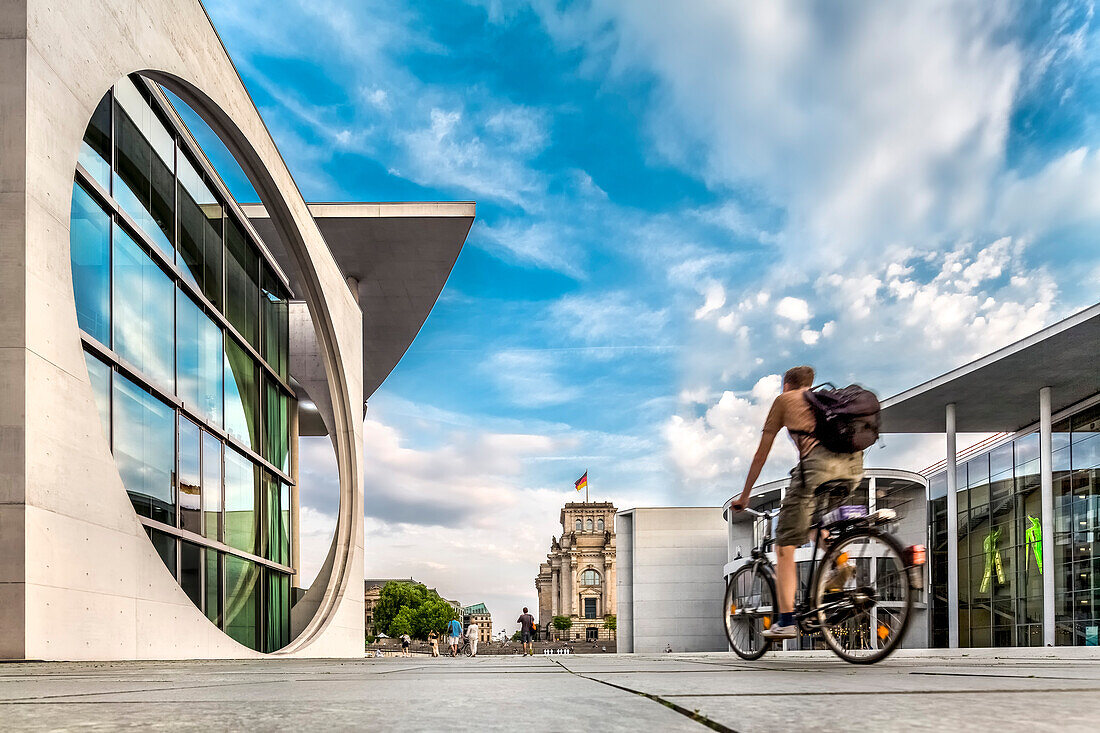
x=952 y=533
x=554 y=598
x=1046 y=484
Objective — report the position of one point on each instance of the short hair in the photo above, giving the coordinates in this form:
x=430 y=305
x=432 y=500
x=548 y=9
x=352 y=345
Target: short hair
x=799 y=376
x=525 y=609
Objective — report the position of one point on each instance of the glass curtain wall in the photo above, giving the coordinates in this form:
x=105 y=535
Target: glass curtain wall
x=167 y=281
x=1077 y=528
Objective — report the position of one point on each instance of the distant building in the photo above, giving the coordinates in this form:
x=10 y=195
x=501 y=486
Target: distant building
x=479 y=614
x=372 y=591
x=578 y=578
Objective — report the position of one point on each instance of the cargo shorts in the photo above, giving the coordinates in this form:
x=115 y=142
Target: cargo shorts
x=799 y=506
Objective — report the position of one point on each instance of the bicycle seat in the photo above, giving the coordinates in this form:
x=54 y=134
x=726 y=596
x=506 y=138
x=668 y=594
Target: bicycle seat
x=836 y=487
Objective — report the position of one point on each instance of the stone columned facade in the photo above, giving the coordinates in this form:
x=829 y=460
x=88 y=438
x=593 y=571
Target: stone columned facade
x=578 y=578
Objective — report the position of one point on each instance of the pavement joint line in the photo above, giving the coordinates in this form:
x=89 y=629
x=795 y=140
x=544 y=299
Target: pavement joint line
x=689 y=714
x=990 y=674
x=125 y=692
x=1009 y=691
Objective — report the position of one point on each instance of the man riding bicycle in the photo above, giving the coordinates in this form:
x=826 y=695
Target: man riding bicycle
x=817 y=465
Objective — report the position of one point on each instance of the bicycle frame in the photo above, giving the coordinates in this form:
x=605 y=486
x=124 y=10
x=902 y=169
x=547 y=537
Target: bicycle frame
x=802 y=610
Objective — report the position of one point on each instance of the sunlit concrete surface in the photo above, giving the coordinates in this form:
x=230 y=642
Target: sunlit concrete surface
x=1034 y=690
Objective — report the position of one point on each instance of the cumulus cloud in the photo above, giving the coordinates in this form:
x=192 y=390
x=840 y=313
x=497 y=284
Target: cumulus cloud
x=793 y=309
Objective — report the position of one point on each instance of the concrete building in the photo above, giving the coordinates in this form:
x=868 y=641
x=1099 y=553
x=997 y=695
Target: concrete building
x=1015 y=522
x=479 y=614
x=578 y=578
x=162 y=348
x=670 y=583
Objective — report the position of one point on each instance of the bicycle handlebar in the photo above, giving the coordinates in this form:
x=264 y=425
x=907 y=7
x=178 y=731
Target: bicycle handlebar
x=770 y=513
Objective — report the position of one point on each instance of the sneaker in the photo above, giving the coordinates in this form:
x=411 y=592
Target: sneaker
x=781 y=632
x=840 y=575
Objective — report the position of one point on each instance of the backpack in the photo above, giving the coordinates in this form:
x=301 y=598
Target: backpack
x=847 y=419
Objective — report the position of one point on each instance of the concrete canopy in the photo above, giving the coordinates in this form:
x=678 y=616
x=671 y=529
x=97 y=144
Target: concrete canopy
x=1000 y=392
x=397 y=258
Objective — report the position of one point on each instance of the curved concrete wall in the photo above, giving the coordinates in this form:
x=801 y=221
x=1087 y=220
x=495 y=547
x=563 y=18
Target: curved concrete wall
x=78 y=577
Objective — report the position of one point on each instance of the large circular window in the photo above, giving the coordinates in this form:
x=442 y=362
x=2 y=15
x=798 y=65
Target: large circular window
x=183 y=320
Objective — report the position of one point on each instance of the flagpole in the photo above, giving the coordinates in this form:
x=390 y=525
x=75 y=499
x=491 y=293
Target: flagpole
x=586 y=486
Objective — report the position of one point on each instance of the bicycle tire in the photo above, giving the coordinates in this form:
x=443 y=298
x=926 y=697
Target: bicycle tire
x=866 y=656
x=467 y=649
x=754 y=645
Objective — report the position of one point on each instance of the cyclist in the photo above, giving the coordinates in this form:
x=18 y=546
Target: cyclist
x=816 y=466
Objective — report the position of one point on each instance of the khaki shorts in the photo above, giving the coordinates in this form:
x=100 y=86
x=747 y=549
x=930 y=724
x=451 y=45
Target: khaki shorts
x=799 y=503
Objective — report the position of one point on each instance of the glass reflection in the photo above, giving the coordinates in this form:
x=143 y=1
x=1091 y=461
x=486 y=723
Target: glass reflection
x=144 y=180
x=143 y=303
x=241 y=395
x=190 y=480
x=214 y=587
x=276 y=426
x=212 y=486
x=99 y=374
x=90 y=255
x=241 y=512
x=198 y=359
x=200 y=235
x=191 y=562
x=242 y=290
x=144 y=448
x=95 y=149
x=242 y=608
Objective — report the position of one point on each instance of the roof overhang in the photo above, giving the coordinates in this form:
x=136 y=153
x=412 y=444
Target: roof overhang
x=397 y=256
x=1000 y=392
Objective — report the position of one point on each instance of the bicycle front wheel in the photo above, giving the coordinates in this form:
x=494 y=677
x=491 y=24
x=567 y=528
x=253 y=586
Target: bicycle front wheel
x=863 y=596
x=468 y=649
x=749 y=610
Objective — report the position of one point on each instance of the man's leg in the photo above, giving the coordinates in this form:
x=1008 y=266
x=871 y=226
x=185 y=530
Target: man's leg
x=786 y=578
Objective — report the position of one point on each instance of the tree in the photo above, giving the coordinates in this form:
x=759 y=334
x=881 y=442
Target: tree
x=515 y=636
x=411 y=608
x=609 y=622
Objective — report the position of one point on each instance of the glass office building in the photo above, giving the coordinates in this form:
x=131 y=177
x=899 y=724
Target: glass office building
x=184 y=321
x=1000 y=563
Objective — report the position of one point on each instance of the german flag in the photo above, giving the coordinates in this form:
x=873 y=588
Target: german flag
x=582 y=482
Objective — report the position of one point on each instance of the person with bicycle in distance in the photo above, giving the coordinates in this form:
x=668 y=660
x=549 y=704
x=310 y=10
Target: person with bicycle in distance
x=454 y=631
x=817 y=465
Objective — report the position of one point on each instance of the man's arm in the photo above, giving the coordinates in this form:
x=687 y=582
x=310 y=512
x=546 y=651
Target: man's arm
x=771 y=426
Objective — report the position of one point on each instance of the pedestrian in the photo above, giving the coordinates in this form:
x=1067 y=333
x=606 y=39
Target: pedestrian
x=433 y=639
x=454 y=630
x=526 y=627
x=406 y=642
x=471 y=636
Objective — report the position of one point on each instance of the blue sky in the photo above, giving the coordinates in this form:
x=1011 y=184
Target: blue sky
x=676 y=202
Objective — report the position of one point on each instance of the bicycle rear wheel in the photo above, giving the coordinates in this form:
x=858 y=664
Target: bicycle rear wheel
x=864 y=616
x=749 y=610
x=468 y=649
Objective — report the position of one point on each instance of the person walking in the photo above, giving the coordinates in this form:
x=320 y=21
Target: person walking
x=454 y=630
x=471 y=635
x=433 y=639
x=526 y=628
x=406 y=642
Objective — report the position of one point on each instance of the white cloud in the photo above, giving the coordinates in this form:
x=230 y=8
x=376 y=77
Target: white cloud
x=793 y=309
x=714 y=298
x=530 y=379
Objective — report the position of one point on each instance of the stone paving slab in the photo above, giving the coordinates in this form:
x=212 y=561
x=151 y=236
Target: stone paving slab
x=675 y=692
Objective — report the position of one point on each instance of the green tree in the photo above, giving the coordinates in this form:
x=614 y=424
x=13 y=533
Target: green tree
x=609 y=622
x=516 y=636
x=411 y=608
x=562 y=623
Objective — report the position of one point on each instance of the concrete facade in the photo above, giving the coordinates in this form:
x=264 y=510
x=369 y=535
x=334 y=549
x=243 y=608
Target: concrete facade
x=578 y=579
x=670 y=584
x=79 y=578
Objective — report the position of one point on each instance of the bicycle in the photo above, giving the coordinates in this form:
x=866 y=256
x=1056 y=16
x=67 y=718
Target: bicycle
x=878 y=595
x=465 y=648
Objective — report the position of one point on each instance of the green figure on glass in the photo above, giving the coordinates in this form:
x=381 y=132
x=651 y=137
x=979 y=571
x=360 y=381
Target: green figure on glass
x=1034 y=538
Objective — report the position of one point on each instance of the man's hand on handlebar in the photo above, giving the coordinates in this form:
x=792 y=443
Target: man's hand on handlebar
x=740 y=503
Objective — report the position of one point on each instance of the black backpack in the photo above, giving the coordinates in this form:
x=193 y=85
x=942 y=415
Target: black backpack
x=847 y=418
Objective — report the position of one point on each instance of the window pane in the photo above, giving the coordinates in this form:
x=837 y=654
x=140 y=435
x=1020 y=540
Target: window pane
x=278 y=611
x=277 y=539
x=95 y=150
x=191 y=572
x=200 y=236
x=242 y=272
x=242 y=607
x=165 y=545
x=284 y=505
x=143 y=324
x=90 y=254
x=274 y=304
x=100 y=376
x=145 y=449
x=214 y=587
x=241 y=516
x=212 y=486
x=144 y=181
x=276 y=426
x=198 y=359
x=241 y=395
x=190 y=486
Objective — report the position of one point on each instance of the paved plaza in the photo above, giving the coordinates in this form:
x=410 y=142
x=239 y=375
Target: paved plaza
x=680 y=692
